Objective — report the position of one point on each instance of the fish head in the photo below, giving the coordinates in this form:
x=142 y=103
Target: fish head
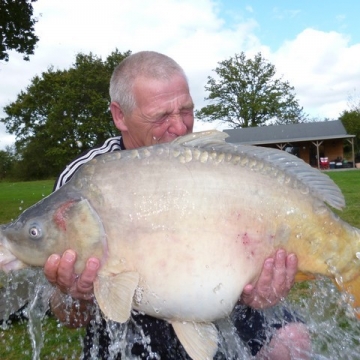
x=33 y=236
x=53 y=225
x=28 y=239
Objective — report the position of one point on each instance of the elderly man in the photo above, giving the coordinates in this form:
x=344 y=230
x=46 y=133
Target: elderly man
x=151 y=104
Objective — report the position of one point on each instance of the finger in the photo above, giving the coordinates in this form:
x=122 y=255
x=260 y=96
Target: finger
x=51 y=268
x=87 y=277
x=263 y=287
x=65 y=274
x=292 y=268
x=280 y=260
x=266 y=276
x=280 y=273
x=248 y=297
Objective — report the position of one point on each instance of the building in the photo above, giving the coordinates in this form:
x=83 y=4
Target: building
x=320 y=144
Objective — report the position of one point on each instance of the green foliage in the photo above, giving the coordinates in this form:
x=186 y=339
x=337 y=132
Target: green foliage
x=17 y=28
x=245 y=93
x=62 y=113
x=351 y=121
x=7 y=161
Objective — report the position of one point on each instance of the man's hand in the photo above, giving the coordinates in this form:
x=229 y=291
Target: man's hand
x=59 y=270
x=275 y=281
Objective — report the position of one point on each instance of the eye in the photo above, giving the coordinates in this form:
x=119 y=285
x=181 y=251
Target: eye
x=35 y=232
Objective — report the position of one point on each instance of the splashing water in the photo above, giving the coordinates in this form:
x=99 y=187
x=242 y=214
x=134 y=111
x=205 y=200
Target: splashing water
x=334 y=330
x=26 y=293
x=36 y=312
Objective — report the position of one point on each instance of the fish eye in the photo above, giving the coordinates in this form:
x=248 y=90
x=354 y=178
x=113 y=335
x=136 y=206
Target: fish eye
x=35 y=232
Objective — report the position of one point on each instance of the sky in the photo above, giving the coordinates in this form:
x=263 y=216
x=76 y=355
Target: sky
x=313 y=44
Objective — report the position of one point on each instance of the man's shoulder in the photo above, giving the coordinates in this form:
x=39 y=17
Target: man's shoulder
x=110 y=145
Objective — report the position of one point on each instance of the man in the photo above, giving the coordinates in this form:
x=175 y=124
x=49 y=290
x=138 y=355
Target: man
x=151 y=104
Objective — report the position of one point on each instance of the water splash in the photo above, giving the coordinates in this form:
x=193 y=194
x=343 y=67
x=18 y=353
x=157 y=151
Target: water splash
x=334 y=330
x=25 y=294
x=37 y=309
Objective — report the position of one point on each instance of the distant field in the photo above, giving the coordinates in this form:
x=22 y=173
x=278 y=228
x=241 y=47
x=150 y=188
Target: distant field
x=18 y=196
x=349 y=183
x=62 y=343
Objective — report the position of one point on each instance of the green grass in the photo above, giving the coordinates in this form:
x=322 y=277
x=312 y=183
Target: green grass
x=62 y=343
x=18 y=196
x=349 y=183
x=59 y=342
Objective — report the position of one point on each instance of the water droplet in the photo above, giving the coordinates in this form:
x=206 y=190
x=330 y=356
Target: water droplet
x=138 y=296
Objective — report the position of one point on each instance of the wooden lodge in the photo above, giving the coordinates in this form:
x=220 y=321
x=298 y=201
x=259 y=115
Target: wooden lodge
x=320 y=144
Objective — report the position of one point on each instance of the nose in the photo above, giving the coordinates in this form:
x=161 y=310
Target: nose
x=177 y=125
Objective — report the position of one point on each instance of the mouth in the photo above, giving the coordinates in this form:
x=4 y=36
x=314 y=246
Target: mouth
x=9 y=262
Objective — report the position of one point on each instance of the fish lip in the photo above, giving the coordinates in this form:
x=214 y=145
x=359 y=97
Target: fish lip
x=11 y=265
x=8 y=261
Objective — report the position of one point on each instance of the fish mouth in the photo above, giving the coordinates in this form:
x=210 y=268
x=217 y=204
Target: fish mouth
x=8 y=261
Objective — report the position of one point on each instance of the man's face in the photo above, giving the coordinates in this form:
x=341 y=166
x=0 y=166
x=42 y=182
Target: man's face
x=164 y=110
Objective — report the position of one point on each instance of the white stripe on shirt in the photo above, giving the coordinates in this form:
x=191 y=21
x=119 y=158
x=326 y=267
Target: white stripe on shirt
x=109 y=145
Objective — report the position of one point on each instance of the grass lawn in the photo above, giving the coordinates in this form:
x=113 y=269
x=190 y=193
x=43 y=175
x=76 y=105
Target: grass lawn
x=62 y=343
x=18 y=196
x=349 y=183
x=59 y=342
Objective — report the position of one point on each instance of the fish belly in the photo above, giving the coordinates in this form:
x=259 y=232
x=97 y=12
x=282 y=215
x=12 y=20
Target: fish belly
x=195 y=239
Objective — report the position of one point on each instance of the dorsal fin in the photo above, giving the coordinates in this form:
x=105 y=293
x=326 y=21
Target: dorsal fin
x=202 y=138
x=318 y=183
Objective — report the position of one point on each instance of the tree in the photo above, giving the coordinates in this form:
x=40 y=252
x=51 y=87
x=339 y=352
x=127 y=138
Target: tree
x=17 y=28
x=351 y=121
x=62 y=113
x=246 y=94
x=7 y=162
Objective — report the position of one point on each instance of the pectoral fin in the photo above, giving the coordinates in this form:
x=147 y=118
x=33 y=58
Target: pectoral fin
x=301 y=276
x=200 y=340
x=114 y=294
x=83 y=230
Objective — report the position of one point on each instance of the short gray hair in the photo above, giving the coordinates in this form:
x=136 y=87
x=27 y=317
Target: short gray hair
x=149 y=64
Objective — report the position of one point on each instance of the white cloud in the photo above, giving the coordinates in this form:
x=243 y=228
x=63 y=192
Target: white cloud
x=322 y=67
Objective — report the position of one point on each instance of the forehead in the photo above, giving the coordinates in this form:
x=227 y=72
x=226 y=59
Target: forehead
x=150 y=92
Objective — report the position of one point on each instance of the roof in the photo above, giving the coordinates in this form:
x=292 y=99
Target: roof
x=273 y=134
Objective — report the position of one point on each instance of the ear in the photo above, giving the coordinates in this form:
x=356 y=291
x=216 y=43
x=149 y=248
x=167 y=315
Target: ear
x=118 y=116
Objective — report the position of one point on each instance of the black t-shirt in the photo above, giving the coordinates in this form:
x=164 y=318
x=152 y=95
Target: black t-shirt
x=151 y=338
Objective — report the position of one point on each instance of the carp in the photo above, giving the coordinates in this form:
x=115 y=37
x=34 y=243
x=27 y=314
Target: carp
x=181 y=228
